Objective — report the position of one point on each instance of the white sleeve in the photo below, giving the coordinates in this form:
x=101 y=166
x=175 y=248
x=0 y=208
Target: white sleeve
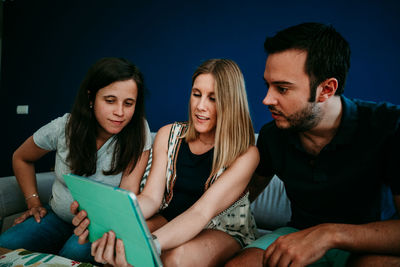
x=47 y=136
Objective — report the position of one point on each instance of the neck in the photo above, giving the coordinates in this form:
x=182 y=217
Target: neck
x=101 y=139
x=202 y=144
x=318 y=137
x=207 y=139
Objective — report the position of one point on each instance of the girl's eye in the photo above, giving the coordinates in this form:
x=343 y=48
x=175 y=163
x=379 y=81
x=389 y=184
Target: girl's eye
x=109 y=101
x=196 y=94
x=129 y=104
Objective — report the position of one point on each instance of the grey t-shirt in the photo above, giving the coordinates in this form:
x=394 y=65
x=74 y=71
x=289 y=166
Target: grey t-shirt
x=52 y=137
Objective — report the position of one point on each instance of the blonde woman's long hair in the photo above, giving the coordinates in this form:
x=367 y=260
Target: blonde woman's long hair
x=234 y=130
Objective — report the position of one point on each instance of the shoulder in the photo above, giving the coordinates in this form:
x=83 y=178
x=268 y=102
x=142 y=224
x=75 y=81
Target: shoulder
x=377 y=107
x=61 y=121
x=175 y=125
x=163 y=133
x=167 y=136
x=56 y=125
x=164 y=130
x=176 y=129
x=382 y=115
x=47 y=136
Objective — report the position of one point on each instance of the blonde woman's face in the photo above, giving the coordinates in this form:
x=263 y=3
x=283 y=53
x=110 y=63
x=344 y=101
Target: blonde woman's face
x=202 y=104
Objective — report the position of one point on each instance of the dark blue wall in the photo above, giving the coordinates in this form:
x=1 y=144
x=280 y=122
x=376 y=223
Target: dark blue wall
x=49 y=45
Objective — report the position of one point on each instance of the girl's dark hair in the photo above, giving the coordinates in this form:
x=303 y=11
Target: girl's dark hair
x=328 y=53
x=81 y=128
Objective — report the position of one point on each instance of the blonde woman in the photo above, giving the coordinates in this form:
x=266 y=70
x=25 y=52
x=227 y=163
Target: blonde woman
x=199 y=176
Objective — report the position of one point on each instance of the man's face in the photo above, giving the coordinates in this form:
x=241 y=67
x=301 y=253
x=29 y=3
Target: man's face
x=289 y=91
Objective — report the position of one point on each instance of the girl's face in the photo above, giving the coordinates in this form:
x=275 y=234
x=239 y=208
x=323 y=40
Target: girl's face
x=114 y=107
x=202 y=104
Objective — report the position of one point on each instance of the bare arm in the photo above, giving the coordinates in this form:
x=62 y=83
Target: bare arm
x=131 y=181
x=377 y=237
x=222 y=194
x=309 y=245
x=24 y=170
x=257 y=185
x=151 y=197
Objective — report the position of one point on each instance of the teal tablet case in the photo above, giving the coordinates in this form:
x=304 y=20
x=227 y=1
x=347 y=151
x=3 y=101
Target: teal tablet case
x=113 y=208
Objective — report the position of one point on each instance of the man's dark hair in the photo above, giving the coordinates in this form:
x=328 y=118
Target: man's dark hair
x=328 y=53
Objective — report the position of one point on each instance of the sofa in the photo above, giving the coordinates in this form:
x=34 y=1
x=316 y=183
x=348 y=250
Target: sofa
x=271 y=208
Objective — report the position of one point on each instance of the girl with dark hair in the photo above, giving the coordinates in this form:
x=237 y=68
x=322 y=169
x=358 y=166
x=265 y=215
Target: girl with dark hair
x=105 y=138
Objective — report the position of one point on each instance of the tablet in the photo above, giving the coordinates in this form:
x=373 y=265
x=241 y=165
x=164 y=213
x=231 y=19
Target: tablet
x=113 y=208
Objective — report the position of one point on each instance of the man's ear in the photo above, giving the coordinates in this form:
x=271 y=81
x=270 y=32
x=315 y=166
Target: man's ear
x=329 y=87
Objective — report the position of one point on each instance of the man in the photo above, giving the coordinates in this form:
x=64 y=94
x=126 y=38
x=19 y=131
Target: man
x=333 y=154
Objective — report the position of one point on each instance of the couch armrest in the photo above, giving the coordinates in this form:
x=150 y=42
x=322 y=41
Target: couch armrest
x=12 y=200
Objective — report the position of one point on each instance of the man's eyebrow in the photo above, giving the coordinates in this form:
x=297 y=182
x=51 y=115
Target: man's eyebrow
x=278 y=82
x=282 y=83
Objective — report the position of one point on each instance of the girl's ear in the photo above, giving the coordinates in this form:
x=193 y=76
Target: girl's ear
x=329 y=87
x=90 y=101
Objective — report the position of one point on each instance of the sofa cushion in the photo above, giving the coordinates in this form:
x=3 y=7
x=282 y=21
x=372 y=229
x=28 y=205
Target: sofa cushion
x=12 y=200
x=271 y=209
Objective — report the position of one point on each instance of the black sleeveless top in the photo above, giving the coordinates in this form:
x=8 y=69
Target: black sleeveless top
x=192 y=172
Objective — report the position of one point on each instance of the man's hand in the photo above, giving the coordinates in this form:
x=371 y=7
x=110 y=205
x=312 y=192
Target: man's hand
x=300 y=248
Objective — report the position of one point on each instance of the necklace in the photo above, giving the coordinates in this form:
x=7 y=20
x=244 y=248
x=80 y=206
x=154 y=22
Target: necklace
x=206 y=143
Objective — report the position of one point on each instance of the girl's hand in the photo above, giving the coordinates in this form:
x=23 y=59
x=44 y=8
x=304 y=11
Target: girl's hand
x=37 y=212
x=81 y=222
x=108 y=250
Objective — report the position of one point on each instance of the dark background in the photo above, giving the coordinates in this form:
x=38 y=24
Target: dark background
x=47 y=47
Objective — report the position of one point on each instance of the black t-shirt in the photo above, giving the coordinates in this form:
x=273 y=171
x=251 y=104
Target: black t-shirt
x=192 y=172
x=343 y=183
